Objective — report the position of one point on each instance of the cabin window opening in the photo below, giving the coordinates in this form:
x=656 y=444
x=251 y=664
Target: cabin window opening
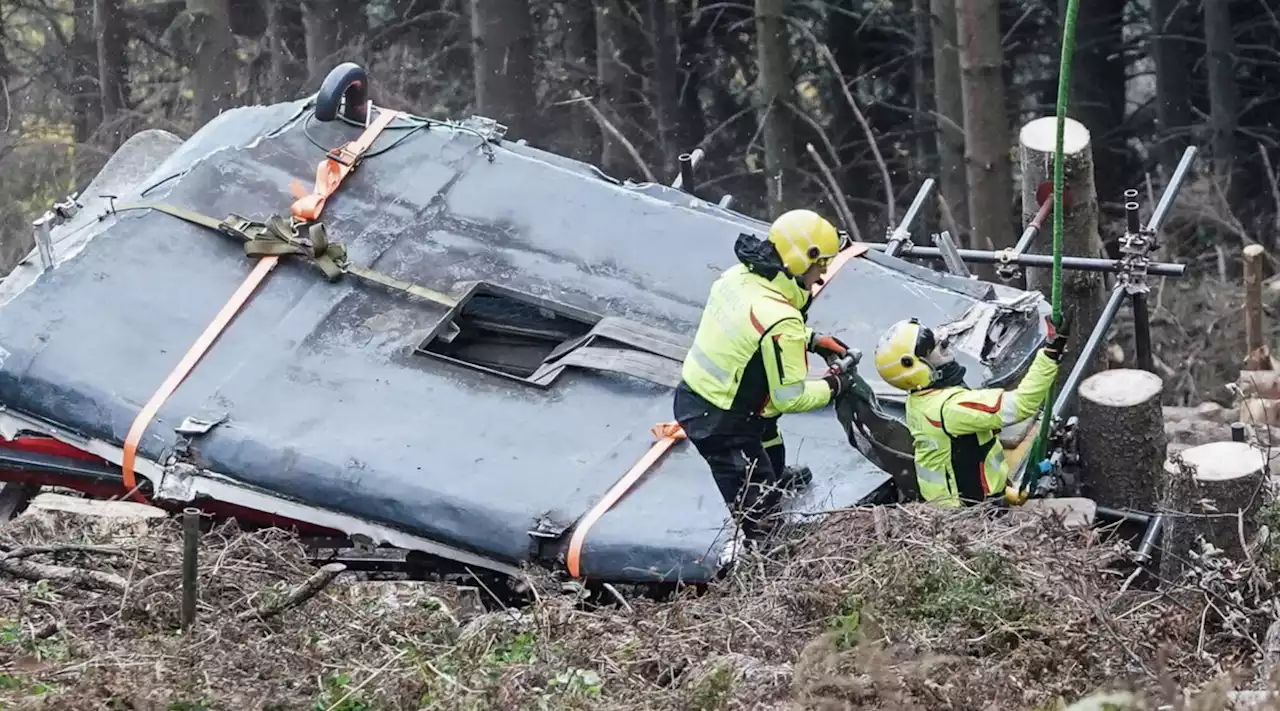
x=506 y=332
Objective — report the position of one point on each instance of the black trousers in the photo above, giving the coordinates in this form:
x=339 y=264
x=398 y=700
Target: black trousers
x=747 y=473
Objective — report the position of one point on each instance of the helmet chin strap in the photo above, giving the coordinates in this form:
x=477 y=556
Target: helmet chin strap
x=948 y=374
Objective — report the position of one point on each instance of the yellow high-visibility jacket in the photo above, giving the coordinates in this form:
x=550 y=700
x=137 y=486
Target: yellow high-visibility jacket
x=750 y=353
x=956 y=431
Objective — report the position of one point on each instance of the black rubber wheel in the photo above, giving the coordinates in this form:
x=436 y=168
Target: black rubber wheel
x=346 y=81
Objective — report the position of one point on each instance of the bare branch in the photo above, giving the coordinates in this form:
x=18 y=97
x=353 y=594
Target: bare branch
x=846 y=216
x=613 y=130
x=857 y=112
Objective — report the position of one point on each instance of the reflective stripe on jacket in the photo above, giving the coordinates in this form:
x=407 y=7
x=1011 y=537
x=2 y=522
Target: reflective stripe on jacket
x=956 y=431
x=750 y=352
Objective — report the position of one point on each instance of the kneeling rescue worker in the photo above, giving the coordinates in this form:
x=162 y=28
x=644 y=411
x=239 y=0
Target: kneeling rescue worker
x=749 y=364
x=958 y=453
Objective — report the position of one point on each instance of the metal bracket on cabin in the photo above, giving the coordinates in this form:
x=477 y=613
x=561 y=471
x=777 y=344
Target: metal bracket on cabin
x=951 y=255
x=42 y=227
x=689 y=162
x=488 y=128
x=200 y=423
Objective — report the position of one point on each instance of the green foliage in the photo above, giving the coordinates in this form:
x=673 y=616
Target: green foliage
x=846 y=625
x=713 y=691
x=337 y=695
x=519 y=650
x=980 y=592
x=1269 y=516
x=583 y=683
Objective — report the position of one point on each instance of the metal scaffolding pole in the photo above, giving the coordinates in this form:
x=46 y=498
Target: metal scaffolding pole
x=1099 y=333
x=900 y=237
x=1084 y=264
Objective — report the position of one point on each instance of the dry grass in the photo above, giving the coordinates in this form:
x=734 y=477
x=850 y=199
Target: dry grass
x=911 y=608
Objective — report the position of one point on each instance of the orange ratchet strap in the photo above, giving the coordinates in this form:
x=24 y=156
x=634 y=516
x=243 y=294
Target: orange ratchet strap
x=336 y=167
x=193 y=356
x=329 y=176
x=668 y=433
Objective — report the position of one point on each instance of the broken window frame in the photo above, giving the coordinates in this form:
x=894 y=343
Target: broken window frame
x=447 y=329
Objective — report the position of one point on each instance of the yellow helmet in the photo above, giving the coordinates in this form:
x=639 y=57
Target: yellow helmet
x=803 y=237
x=900 y=355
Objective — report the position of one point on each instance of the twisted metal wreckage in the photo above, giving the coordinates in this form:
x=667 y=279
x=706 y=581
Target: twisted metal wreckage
x=483 y=394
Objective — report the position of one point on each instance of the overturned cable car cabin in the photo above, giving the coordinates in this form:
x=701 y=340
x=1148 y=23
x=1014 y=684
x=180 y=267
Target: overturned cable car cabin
x=470 y=356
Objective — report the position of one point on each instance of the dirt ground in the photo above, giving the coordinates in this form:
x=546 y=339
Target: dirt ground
x=897 y=608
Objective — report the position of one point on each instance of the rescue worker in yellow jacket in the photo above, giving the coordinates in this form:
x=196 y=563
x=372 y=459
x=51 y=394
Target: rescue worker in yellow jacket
x=958 y=453
x=749 y=364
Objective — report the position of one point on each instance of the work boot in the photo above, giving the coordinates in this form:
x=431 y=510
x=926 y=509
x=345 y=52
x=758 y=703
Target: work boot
x=795 y=479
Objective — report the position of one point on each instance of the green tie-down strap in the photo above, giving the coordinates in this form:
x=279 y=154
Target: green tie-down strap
x=279 y=236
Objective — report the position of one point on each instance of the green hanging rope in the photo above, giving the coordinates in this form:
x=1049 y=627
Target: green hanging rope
x=1036 y=455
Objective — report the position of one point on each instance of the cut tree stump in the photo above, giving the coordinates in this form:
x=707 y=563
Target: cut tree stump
x=1083 y=290
x=1212 y=491
x=1122 y=439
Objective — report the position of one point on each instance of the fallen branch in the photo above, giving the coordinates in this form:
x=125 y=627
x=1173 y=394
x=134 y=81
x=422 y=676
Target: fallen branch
x=28 y=551
x=74 y=576
x=46 y=630
x=299 y=595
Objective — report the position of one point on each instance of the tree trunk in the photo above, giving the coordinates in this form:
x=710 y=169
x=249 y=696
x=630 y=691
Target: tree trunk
x=953 y=185
x=502 y=36
x=663 y=18
x=694 y=66
x=214 y=73
x=1086 y=291
x=1122 y=439
x=1170 y=25
x=1224 y=99
x=580 y=56
x=113 y=82
x=288 y=46
x=988 y=169
x=6 y=72
x=85 y=99
x=924 y=163
x=1212 y=491
x=1097 y=91
x=776 y=96
x=620 y=92
x=320 y=20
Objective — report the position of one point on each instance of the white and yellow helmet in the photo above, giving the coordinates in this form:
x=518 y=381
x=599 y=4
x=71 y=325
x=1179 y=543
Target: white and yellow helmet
x=803 y=237
x=901 y=355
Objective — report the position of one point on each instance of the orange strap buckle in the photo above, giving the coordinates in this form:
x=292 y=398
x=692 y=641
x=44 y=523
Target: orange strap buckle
x=667 y=433
x=336 y=166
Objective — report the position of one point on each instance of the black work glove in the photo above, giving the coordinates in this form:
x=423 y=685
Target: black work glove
x=840 y=382
x=827 y=346
x=1057 y=345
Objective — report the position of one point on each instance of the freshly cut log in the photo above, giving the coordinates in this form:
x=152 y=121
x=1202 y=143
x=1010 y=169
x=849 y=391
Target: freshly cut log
x=1122 y=438
x=1080 y=238
x=1211 y=492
